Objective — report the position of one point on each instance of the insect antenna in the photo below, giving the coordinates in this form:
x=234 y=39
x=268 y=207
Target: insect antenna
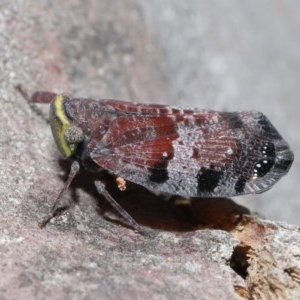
x=37 y=97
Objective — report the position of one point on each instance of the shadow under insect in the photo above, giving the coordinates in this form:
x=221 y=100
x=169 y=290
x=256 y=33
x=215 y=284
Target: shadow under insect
x=156 y=211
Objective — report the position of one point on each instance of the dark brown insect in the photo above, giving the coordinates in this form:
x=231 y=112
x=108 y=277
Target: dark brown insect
x=181 y=151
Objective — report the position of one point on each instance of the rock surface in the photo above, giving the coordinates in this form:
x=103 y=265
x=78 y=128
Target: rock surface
x=230 y=56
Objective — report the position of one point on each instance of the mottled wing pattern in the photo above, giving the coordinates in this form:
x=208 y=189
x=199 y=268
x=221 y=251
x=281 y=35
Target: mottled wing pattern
x=192 y=152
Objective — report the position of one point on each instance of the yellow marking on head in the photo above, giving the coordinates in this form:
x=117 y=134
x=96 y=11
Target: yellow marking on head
x=59 y=124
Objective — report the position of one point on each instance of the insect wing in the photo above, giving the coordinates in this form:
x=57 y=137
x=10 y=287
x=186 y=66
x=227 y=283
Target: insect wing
x=193 y=152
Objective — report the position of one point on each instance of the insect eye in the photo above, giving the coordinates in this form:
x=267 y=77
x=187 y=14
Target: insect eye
x=74 y=135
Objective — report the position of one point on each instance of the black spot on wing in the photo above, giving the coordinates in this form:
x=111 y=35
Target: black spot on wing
x=159 y=172
x=240 y=185
x=264 y=165
x=208 y=180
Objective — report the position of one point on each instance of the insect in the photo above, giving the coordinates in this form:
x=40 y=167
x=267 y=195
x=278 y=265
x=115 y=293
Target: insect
x=181 y=151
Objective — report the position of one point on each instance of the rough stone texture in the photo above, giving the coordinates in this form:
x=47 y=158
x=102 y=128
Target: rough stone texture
x=230 y=55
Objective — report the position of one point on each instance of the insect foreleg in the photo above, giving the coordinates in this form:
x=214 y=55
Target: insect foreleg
x=56 y=209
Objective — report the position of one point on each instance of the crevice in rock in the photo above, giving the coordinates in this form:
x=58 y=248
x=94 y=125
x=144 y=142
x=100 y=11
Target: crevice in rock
x=239 y=260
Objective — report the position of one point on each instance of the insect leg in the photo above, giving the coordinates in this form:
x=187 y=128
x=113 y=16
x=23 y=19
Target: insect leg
x=101 y=190
x=56 y=210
